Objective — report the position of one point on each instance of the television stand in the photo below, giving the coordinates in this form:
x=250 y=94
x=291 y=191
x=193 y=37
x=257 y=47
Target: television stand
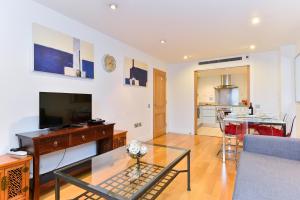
x=67 y=126
x=43 y=142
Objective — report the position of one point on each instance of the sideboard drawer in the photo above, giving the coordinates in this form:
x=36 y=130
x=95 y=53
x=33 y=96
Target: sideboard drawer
x=103 y=132
x=82 y=137
x=56 y=143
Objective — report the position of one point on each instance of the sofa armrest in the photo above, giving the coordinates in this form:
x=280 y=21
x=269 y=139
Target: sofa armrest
x=288 y=148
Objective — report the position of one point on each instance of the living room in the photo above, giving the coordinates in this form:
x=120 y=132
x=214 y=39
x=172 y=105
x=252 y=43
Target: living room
x=171 y=38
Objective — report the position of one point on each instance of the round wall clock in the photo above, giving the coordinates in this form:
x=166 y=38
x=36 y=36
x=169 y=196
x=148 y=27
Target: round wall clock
x=109 y=63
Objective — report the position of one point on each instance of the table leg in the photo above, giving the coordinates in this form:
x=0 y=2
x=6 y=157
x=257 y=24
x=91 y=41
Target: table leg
x=36 y=174
x=57 y=188
x=223 y=148
x=189 y=172
x=247 y=128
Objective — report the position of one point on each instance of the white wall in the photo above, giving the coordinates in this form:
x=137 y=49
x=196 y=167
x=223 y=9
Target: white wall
x=264 y=88
x=20 y=86
x=287 y=80
x=206 y=88
x=241 y=80
x=297 y=134
x=265 y=82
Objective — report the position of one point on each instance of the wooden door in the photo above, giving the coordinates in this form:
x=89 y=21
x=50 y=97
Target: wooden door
x=160 y=103
x=2 y=191
x=16 y=182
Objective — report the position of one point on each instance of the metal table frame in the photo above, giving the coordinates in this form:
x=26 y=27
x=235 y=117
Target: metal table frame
x=59 y=175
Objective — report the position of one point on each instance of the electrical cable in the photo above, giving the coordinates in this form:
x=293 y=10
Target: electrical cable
x=61 y=159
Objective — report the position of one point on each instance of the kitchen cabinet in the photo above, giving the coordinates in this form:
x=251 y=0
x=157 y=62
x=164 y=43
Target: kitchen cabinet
x=208 y=116
x=208 y=113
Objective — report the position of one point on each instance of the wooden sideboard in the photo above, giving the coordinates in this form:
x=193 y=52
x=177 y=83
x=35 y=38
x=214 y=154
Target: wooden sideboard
x=42 y=142
x=119 y=138
x=14 y=177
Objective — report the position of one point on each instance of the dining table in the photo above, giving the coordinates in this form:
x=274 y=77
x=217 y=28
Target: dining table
x=248 y=120
x=257 y=120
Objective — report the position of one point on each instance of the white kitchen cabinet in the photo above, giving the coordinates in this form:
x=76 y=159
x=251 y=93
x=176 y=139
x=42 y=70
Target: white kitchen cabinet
x=208 y=116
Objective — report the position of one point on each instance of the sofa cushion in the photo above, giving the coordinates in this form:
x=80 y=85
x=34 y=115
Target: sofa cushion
x=267 y=177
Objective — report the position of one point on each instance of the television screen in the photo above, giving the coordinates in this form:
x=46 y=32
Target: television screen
x=62 y=109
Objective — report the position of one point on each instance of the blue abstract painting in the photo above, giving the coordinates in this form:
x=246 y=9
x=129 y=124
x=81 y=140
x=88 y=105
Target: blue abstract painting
x=135 y=73
x=58 y=53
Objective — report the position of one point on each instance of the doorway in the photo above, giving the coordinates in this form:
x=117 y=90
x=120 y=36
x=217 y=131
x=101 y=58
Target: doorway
x=159 y=103
x=219 y=89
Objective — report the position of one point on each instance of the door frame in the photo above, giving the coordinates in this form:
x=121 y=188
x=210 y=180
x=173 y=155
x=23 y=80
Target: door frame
x=195 y=101
x=153 y=107
x=196 y=72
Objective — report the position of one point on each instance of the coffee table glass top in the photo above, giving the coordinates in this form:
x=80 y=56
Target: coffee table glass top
x=115 y=175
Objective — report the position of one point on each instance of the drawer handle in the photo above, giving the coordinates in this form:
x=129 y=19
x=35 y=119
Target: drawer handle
x=55 y=143
x=3 y=183
x=103 y=132
x=83 y=137
x=25 y=169
x=25 y=189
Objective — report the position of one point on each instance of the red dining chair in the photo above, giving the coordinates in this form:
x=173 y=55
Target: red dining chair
x=263 y=129
x=272 y=131
x=233 y=135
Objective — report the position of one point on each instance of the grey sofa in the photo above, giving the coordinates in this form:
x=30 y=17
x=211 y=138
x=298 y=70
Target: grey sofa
x=269 y=168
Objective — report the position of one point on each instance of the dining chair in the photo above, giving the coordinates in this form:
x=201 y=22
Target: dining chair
x=284 y=117
x=279 y=132
x=232 y=134
x=290 y=127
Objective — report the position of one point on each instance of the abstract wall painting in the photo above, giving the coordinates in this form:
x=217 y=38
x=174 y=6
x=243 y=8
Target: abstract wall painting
x=135 y=73
x=58 y=53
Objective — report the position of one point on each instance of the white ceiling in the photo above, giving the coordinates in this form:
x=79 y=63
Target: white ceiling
x=199 y=28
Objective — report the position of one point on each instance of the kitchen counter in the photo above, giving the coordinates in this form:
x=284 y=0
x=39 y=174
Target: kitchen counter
x=207 y=113
x=214 y=104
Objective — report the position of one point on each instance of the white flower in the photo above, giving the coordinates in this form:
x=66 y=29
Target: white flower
x=143 y=150
x=133 y=148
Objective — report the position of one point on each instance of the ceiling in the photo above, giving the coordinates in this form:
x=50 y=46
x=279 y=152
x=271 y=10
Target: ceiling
x=196 y=28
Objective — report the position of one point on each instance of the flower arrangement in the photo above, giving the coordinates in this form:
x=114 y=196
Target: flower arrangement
x=136 y=149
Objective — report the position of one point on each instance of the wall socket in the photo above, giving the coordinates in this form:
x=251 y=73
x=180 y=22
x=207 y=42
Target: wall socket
x=138 y=124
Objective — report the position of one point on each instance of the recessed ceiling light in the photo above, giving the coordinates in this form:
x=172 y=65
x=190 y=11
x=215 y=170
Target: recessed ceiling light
x=252 y=47
x=187 y=57
x=255 y=20
x=163 y=41
x=113 y=6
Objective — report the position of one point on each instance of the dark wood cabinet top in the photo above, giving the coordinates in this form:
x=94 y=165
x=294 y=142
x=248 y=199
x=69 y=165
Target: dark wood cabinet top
x=40 y=134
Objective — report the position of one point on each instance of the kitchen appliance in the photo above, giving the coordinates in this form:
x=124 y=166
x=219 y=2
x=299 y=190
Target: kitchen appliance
x=227 y=93
x=225 y=109
x=225 y=82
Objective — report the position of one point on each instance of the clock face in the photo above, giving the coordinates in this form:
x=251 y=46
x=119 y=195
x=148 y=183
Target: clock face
x=109 y=63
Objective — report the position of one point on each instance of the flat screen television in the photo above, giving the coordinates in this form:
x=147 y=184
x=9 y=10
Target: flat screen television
x=64 y=109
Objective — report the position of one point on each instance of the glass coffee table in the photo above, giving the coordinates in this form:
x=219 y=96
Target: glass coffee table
x=116 y=176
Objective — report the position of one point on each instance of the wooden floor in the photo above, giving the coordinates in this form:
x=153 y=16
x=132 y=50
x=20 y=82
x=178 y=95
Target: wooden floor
x=209 y=131
x=210 y=179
